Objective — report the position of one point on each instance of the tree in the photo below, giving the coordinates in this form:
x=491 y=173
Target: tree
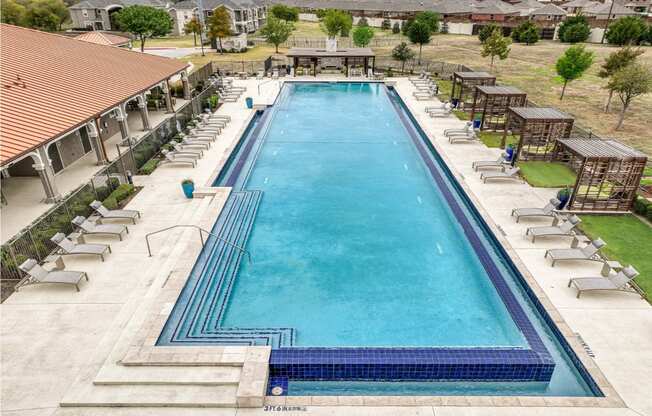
x=402 y=53
x=431 y=19
x=219 y=25
x=527 y=32
x=12 y=12
x=496 y=45
x=336 y=22
x=630 y=82
x=396 y=29
x=627 y=30
x=647 y=37
x=616 y=61
x=144 y=22
x=405 y=25
x=362 y=36
x=574 y=29
x=386 y=24
x=283 y=12
x=276 y=31
x=419 y=33
x=45 y=14
x=572 y=65
x=363 y=22
x=486 y=31
x=193 y=26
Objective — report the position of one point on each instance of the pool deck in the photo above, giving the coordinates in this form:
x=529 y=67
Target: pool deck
x=60 y=346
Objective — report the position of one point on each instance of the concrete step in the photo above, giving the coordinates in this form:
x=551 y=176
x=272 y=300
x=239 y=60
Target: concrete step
x=152 y=396
x=169 y=375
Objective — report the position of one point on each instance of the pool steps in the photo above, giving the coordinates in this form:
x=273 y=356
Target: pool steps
x=122 y=379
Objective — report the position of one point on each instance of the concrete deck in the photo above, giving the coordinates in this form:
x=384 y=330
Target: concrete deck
x=56 y=341
x=25 y=194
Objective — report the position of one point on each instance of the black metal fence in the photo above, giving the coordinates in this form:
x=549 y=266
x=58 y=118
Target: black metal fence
x=320 y=42
x=34 y=240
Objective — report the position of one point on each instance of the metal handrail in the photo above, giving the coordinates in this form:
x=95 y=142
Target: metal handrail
x=201 y=237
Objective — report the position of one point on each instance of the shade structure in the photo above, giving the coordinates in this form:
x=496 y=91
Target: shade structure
x=491 y=102
x=464 y=83
x=315 y=59
x=538 y=129
x=608 y=173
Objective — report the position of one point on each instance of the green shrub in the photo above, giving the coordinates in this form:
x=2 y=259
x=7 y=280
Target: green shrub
x=123 y=192
x=149 y=167
x=110 y=203
x=649 y=213
x=642 y=206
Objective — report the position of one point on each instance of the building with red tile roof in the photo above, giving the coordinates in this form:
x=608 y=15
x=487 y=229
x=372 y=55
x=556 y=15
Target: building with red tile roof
x=102 y=38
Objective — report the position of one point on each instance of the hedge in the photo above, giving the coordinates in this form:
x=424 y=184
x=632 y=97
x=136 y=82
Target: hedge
x=643 y=207
x=120 y=194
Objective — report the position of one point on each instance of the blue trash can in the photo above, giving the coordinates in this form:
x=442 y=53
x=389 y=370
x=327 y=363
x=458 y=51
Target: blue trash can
x=455 y=102
x=476 y=123
x=250 y=102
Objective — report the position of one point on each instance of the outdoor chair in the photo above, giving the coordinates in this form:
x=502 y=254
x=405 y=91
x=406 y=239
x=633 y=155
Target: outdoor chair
x=426 y=87
x=218 y=117
x=122 y=214
x=234 y=88
x=229 y=98
x=188 y=141
x=468 y=127
x=67 y=247
x=469 y=137
x=565 y=229
x=511 y=173
x=424 y=96
x=440 y=107
x=172 y=157
x=422 y=75
x=500 y=163
x=614 y=282
x=212 y=123
x=181 y=149
x=36 y=274
x=203 y=134
x=546 y=211
x=88 y=227
x=444 y=113
x=590 y=252
x=260 y=75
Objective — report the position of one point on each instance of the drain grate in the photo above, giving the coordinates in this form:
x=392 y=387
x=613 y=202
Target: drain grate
x=586 y=347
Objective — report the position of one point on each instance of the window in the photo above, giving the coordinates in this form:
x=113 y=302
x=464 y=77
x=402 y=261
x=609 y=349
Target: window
x=84 y=12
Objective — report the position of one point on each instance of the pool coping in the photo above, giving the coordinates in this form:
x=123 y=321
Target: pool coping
x=143 y=351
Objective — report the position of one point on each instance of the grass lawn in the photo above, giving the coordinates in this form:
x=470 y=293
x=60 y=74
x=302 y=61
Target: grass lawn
x=628 y=241
x=185 y=41
x=312 y=30
x=493 y=139
x=462 y=115
x=547 y=174
x=258 y=53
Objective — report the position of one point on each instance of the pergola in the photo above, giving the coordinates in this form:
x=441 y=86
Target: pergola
x=538 y=129
x=492 y=102
x=344 y=57
x=608 y=173
x=465 y=82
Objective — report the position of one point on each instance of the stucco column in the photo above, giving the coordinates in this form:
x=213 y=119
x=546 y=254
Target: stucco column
x=46 y=174
x=168 y=98
x=122 y=121
x=144 y=114
x=96 y=141
x=186 y=86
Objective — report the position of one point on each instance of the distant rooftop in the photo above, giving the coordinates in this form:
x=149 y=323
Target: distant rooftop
x=101 y=38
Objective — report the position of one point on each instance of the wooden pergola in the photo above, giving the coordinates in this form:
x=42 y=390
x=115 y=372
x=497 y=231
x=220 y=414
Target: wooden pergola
x=538 y=129
x=346 y=57
x=465 y=82
x=492 y=102
x=608 y=173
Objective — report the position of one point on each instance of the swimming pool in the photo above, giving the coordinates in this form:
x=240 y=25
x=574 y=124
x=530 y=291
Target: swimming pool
x=369 y=261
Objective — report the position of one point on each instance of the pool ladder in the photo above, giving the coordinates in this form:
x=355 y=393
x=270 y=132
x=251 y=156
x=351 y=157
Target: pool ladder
x=201 y=237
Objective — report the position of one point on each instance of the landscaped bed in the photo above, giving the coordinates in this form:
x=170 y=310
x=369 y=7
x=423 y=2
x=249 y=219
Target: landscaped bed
x=547 y=174
x=628 y=241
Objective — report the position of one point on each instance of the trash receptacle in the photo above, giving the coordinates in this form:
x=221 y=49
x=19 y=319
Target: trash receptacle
x=476 y=123
x=455 y=102
x=250 y=102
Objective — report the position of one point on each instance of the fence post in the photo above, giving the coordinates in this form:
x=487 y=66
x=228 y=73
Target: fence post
x=12 y=253
x=31 y=237
x=133 y=158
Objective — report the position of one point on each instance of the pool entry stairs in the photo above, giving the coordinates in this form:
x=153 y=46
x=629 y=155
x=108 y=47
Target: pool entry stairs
x=127 y=370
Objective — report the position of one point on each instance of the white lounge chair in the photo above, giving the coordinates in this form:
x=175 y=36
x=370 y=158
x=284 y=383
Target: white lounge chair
x=511 y=173
x=38 y=275
x=444 y=113
x=201 y=134
x=67 y=247
x=500 y=163
x=424 y=96
x=171 y=157
x=468 y=127
x=229 y=98
x=547 y=211
x=618 y=282
x=88 y=227
x=121 y=214
x=469 y=137
x=565 y=229
x=181 y=149
x=590 y=252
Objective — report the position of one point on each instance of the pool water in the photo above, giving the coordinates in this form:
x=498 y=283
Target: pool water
x=358 y=242
x=353 y=244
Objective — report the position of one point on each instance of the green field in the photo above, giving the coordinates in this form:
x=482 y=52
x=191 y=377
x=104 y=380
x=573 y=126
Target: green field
x=629 y=241
x=547 y=174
